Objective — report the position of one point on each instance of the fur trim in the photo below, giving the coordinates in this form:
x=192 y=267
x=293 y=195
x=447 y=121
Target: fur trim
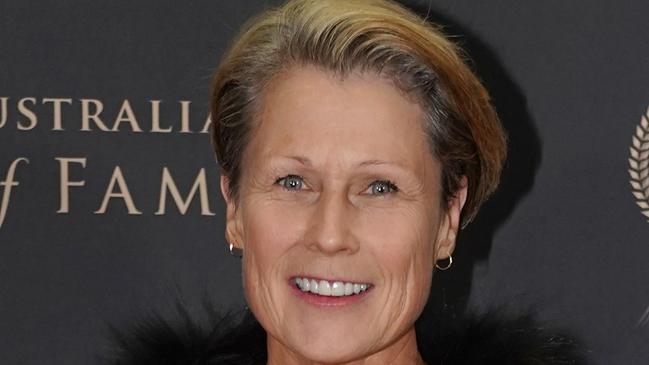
x=494 y=337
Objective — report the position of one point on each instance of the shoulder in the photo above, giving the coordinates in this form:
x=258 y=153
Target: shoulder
x=233 y=338
x=497 y=336
x=237 y=338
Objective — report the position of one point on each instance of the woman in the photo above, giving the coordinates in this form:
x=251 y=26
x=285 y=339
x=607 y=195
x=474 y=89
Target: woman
x=354 y=143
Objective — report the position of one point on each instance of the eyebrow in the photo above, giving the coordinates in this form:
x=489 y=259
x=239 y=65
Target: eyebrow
x=306 y=162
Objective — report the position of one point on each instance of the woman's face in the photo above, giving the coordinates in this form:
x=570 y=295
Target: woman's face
x=338 y=189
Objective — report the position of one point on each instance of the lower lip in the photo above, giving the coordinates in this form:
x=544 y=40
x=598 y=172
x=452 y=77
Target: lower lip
x=328 y=301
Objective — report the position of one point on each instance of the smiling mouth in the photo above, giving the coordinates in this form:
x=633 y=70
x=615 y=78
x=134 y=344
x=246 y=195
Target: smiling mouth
x=330 y=288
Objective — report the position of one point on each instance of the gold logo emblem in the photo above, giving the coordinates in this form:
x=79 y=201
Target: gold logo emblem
x=639 y=165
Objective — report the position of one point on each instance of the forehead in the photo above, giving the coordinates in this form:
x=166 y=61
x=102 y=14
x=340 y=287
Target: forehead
x=307 y=111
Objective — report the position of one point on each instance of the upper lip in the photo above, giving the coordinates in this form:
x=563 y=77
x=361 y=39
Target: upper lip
x=318 y=278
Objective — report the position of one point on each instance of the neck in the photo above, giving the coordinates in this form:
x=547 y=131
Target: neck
x=401 y=352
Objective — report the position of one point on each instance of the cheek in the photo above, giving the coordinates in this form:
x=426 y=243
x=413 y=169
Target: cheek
x=269 y=232
x=404 y=237
x=270 y=229
x=403 y=243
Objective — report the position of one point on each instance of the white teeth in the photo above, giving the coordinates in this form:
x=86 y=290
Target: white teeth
x=326 y=288
x=338 y=289
x=357 y=288
x=349 y=288
x=303 y=284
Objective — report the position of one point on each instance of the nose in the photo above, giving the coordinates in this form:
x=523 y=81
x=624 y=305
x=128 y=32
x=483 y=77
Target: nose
x=329 y=230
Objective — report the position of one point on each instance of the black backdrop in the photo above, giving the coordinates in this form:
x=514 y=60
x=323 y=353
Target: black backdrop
x=79 y=80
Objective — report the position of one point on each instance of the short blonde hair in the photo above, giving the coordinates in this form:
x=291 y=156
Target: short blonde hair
x=343 y=36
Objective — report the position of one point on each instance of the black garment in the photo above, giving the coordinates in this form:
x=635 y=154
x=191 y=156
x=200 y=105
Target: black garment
x=238 y=339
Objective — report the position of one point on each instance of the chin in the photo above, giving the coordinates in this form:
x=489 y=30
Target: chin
x=326 y=337
x=330 y=346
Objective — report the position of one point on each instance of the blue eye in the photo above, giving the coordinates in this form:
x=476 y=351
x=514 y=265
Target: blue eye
x=383 y=187
x=290 y=182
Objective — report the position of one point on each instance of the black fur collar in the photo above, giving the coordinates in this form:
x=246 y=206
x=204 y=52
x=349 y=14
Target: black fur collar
x=237 y=339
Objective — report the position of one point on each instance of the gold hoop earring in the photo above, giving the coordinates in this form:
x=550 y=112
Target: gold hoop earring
x=235 y=251
x=444 y=268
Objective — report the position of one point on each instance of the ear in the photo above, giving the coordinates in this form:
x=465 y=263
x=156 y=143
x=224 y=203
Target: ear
x=232 y=225
x=450 y=224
